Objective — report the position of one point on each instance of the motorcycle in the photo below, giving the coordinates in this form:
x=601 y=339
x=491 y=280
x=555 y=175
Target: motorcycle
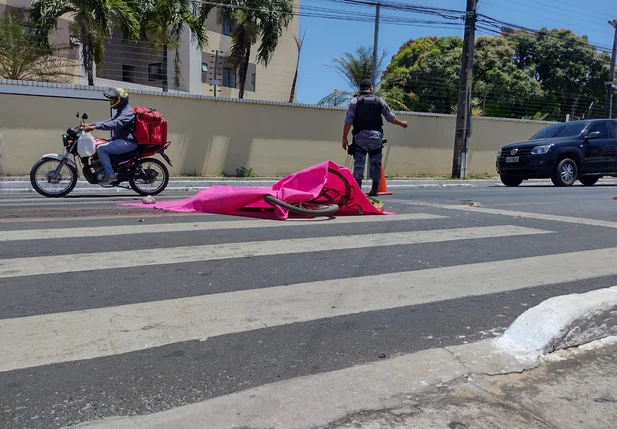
x=137 y=167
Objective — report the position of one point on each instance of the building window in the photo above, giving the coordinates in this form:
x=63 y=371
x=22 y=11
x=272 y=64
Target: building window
x=128 y=73
x=24 y=21
x=229 y=78
x=253 y=82
x=227 y=27
x=155 y=71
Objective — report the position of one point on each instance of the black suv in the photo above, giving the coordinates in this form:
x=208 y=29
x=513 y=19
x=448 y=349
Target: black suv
x=585 y=150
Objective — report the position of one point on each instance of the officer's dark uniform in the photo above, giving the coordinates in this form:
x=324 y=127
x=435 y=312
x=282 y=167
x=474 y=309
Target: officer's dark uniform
x=365 y=114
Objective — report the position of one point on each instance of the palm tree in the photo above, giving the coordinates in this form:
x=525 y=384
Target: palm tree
x=476 y=108
x=299 y=43
x=21 y=58
x=263 y=20
x=354 y=67
x=163 y=25
x=94 y=20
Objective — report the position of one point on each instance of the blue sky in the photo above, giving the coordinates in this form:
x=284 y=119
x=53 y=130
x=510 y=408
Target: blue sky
x=329 y=38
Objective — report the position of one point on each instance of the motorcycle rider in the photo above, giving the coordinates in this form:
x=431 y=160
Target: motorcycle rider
x=121 y=125
x=364 y=113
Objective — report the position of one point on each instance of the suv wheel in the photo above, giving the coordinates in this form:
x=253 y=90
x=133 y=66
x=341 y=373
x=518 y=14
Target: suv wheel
x=589 y=180
x=566 y=172
x=510 y=180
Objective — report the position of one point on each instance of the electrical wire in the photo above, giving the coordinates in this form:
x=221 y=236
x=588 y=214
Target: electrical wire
x=576 y=8
x=500 y=24
x=540 y=9
x=445 y=14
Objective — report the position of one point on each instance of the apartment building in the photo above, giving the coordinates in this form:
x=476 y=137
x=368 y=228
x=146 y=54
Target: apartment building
x=203 y=72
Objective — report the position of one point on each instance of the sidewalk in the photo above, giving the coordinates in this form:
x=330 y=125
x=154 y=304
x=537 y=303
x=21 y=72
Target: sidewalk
x=571 y=389
x=445 y=388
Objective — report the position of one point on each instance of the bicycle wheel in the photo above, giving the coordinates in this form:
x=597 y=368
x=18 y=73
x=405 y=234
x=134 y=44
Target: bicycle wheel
x=332 y=195
x=310 y=209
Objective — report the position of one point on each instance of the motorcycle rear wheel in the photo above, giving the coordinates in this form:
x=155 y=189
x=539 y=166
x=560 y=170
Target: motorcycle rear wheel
x=48 y=175
x=137 y=184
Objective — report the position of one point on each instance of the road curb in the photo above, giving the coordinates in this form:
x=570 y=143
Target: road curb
x=317 y=400
x=21 y=187
x=562 y=322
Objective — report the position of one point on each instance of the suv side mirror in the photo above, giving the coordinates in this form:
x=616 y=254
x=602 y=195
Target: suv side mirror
x=593 y=135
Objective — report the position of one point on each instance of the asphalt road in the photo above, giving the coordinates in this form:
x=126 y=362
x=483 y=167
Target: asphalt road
x=46 y=386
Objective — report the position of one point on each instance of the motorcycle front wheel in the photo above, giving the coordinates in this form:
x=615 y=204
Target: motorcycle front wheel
x=43 y=181
x=150 y=177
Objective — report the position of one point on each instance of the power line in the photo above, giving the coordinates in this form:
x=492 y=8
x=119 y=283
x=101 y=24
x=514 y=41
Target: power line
x=501 y=24
x=539 y=9
x=398 y=6
x=445 y=14
x=342 y=15
x=576 y=10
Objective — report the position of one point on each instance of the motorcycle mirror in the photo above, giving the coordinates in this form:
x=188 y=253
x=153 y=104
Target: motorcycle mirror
x=77 y=115
x=84 y=116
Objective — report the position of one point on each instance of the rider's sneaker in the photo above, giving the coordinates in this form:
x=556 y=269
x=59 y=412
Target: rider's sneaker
x=107 y=180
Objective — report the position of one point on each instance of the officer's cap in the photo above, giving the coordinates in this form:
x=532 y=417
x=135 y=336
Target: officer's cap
x=365 y=84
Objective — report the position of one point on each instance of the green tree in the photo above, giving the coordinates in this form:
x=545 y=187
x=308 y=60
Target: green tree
x=506 y=90
x=517 y=74
x=356 y=66
x=427 y=70
x=253 y=21
x=570 y=70
x=21 y=57
x=93 y=20
x=163 y=25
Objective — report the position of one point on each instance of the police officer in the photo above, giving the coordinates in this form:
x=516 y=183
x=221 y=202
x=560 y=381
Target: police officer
x=364 y=113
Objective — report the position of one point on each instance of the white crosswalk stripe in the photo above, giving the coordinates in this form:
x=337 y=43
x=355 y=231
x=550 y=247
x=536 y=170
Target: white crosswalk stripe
x=106 y=231
x=17 y=267
x=44 y=339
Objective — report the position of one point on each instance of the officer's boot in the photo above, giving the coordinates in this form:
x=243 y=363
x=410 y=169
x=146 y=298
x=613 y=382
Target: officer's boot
x=374 y=188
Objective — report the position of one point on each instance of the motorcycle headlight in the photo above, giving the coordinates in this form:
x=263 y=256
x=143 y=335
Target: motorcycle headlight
x=538 y=150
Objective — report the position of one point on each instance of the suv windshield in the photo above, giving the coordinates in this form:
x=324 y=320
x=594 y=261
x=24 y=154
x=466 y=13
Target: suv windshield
x=560 y=130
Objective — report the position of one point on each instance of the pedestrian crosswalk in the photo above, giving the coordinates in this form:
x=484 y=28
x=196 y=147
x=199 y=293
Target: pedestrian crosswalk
x=219 y=319
x=17 y=267
x=42 y=234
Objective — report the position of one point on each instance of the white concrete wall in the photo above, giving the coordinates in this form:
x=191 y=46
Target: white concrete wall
x=210 y=136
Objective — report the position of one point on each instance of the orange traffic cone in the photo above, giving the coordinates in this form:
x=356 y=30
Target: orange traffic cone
x=383 y=189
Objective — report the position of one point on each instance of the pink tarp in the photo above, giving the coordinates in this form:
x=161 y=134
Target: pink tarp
x=248 y=201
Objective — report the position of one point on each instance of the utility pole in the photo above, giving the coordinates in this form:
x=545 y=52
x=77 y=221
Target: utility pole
x=463 y=113
x=608 y=108
x=375 y=43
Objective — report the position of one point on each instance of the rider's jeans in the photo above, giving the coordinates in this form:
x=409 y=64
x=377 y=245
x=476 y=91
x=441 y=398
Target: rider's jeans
x=114 y=147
